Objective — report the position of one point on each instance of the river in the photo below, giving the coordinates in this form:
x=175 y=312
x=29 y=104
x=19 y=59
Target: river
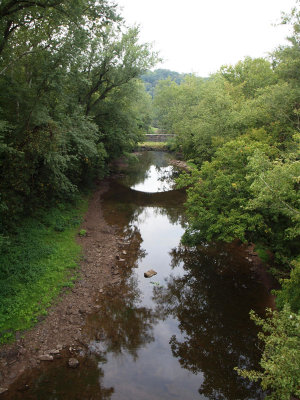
x=177 y=335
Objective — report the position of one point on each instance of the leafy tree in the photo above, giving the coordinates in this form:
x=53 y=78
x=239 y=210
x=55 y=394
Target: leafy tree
x=200 y=113
x=152 y=78
x=123 y=118
x=281 y=356
x=250 y=75
x=290 y=288
x=220 y=192
x=58 y=65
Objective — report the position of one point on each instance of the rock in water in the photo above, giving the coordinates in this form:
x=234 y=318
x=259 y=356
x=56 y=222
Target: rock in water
x=46 y=357
x=73 y=363
x=150 y=273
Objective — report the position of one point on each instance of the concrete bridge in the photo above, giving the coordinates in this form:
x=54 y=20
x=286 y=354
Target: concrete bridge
x=161 y=137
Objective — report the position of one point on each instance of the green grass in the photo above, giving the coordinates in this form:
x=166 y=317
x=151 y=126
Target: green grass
x=154 y=145
x=36 y=262
x=154 y=130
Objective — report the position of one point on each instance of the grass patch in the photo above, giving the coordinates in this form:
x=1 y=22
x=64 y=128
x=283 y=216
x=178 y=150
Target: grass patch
x=154 y=130
x=36 y=262
x=154 y=145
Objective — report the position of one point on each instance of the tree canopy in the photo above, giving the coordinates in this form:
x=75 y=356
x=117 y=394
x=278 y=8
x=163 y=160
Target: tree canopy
x=152 y=78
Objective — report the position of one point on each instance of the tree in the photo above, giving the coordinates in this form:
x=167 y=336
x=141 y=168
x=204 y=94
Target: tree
x=250 y=74
x=57 y=69
x=281 y=356
x=152 y=78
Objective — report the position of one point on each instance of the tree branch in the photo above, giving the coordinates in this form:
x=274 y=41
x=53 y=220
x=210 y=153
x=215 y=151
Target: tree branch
x=14 y=6
x=21 y=56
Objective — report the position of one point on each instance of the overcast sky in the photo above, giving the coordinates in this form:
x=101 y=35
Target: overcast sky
x=201 y=35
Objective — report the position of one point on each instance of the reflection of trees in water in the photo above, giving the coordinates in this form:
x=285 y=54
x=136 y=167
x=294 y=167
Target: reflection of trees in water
x=135 y=252
x=56 y=382
x=168 y=175
x=174 y=214
x=211 y=301
x=122 y=324
x=138 y=172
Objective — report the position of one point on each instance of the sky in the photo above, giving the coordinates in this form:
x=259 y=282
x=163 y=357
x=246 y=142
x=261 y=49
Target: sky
x=199 y=36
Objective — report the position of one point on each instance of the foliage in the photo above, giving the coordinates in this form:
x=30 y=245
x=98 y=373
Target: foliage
x=247 y=192
x=151 y=78
x=37 y=261
x=281 y=357
x=124 y=118
x=249 y=75
x=290 y=290
x=203 y=114
x=68 y=101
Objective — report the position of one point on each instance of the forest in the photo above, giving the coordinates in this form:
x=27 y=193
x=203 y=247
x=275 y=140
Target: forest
x=77 y=90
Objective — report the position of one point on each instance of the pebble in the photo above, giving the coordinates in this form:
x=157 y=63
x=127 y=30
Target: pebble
x=54 y=351
x=150 y=273
x=46 y=357
x=73 y=363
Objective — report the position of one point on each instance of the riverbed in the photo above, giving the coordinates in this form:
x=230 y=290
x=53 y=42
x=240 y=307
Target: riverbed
x=176 y=335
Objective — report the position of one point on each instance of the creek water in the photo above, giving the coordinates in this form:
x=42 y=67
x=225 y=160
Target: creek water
x=177 y=335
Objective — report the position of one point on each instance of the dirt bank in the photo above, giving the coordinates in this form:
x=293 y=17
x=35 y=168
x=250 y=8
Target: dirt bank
x=61 y=329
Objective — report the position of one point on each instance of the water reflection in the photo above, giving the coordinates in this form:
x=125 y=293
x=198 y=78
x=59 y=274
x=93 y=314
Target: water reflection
x=56 y=382
x=211 y=302
x=153 y=174
x=123 y=325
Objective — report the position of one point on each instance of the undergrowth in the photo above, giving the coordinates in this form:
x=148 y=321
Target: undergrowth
x=37 y=260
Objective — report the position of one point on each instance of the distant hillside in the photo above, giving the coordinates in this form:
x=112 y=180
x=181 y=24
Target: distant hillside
x=151 y=78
